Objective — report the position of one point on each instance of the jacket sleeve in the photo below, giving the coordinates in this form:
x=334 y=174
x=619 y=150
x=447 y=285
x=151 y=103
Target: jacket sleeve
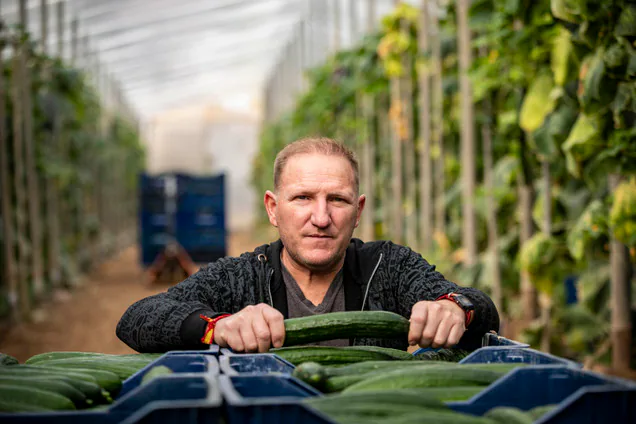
x=170 y=320
x=418 y=280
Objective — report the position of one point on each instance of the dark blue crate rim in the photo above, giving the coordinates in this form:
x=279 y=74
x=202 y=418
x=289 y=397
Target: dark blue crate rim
x=595 y=404
x=199 y=407
x=488 y=339
x=249 y=390
x=257 y=363
x=179 y=362
x=528 y=387
x=506 y=354
x=261 y=399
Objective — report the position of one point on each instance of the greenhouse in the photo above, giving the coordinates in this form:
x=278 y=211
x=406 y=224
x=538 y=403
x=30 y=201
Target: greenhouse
x=323 y=211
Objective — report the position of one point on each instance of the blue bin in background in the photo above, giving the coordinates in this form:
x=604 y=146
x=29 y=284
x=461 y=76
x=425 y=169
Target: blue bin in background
x=198 y=222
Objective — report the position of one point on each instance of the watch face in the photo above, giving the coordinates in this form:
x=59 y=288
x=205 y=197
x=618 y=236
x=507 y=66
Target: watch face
x=463 y=302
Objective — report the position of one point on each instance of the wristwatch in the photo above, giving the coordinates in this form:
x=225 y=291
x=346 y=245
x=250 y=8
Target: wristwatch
x=463 y=302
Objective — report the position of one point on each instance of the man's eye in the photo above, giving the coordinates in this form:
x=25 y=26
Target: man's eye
x=301 y=197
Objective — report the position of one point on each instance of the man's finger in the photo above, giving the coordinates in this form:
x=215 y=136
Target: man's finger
x=261 y=332
x=276 y=324
x=455 y=335
x=417 y=322
x=234 y=341
x=430 y=329
x=248 y=336
x=442 y=333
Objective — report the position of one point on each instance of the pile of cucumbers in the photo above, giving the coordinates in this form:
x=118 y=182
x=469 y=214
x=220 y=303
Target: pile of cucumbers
x=65 y=380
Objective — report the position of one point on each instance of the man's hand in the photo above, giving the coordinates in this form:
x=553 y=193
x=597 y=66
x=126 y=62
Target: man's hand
x=253 y=329
x=436 y=324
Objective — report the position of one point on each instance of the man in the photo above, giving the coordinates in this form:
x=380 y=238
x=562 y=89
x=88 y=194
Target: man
x=315 y=267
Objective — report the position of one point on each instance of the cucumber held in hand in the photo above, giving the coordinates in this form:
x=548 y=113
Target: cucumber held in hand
x=344 y=325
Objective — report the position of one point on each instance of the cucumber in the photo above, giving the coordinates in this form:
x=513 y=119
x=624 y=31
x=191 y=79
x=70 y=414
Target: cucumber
x=33 y=396
x=123 y=369
x=448 y=355
x=436 y=416
x=399 y=355
x=106 y=379
x=368 y=366
x=327 y=355
x=451 y=394
x=311 y=373
x=63 y=355
x=344 y=325
x=155 y=372
x=85 y=383
x=539 y=411
x=429 y=376
x=51 y=384
x=508 y=415
x=370 y=409
x=387 y=397
x=341 y=382
x=9 y=406
x=6 y=359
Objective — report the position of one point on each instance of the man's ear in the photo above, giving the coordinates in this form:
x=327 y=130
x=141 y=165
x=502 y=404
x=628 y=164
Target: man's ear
x=270 y=207
x=361 y=202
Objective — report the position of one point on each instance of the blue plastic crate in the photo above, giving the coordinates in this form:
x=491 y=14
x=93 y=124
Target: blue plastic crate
x=171 y=399
x=201 y=186
x=258 y=363
x=504 y=354
x=191 y=202
x=260 y=399
x=595 y=405
x=528 y=387
x=489 y=339
x=211 y=238
x=179 y=362
x=193 y=222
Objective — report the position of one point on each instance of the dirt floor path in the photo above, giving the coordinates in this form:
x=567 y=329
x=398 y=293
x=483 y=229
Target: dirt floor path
x=85 y=319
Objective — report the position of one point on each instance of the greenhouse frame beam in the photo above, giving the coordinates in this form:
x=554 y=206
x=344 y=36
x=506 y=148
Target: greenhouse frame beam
x=165 y=53
x=184 y=18
x=200 y=70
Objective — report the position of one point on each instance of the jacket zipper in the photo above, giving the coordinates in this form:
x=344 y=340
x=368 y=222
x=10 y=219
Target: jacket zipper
x=366 y=293
x=269 y=288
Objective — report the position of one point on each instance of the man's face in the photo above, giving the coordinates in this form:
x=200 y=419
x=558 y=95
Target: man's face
x=316 y=209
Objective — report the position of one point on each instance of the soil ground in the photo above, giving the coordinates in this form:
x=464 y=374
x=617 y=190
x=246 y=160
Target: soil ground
x=85 y=318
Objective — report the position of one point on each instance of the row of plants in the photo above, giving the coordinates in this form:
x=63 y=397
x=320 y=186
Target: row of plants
x=84 y=159
x=553 y=87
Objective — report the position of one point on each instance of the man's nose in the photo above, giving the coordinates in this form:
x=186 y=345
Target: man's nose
x=320 y=216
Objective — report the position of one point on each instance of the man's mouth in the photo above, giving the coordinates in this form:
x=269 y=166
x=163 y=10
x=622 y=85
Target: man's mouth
x=320 y=236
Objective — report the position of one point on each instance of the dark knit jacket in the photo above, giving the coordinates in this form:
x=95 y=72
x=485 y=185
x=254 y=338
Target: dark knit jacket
x=378 y=275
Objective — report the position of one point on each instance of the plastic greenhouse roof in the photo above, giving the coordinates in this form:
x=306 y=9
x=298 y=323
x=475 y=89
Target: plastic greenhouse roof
x=168 y=53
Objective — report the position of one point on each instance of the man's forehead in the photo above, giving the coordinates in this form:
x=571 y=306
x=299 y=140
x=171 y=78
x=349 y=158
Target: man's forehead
x=320 y=169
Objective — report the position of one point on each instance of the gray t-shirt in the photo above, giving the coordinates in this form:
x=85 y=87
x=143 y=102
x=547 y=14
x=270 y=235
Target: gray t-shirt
x=299 y=306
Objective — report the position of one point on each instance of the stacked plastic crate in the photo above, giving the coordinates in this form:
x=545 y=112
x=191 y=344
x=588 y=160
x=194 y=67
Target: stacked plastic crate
x=219 y=386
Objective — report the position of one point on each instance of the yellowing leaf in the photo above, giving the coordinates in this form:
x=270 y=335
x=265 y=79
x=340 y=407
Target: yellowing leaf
x=538 y=103
x=560 y=56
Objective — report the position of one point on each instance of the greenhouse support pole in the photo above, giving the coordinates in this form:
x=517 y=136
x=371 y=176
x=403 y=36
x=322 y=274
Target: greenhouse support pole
x=620 y=299
x=60 y=29
x=409 y=154
x=51 y=197
x=353 y=22
x=545 y=299
x=368 y=148
x=426 y=176
x=11 y=275
x=336 y=27
x=491 y=207
x=24 y=297
x=82 y=193
x=469 y=233
x=437 y=124
x=33 y=189
x=395 y=117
